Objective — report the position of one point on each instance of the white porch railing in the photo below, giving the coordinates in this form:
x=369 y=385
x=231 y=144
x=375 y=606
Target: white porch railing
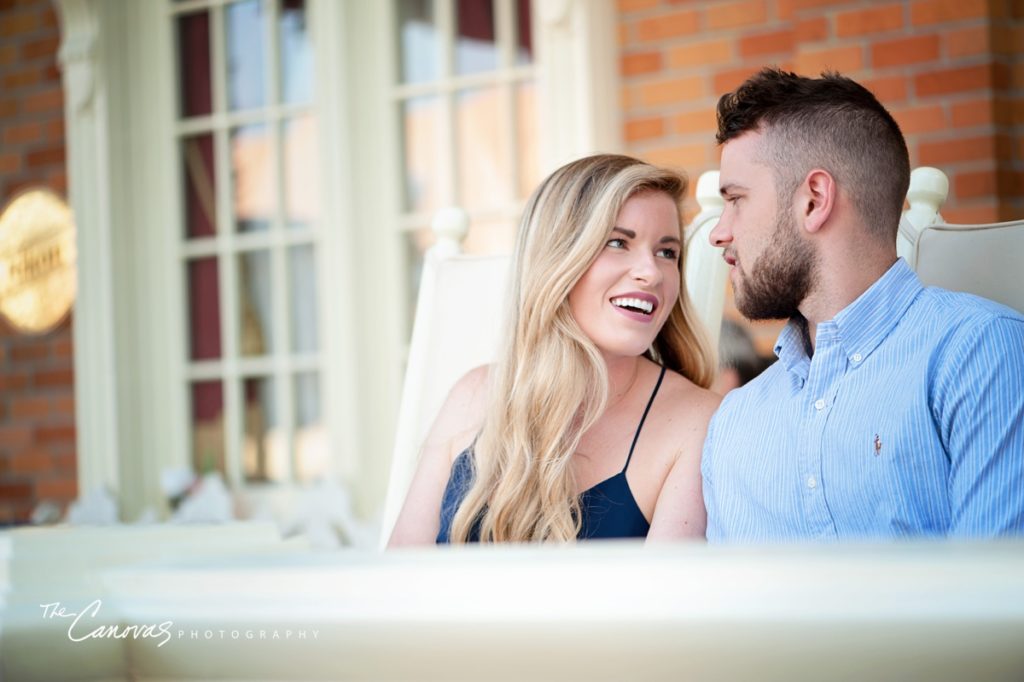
x=598 y=611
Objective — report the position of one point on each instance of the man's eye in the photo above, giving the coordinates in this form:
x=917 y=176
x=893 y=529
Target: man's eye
x=616 y=243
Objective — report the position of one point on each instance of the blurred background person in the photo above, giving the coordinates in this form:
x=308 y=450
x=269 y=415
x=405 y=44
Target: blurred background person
x=738 y=359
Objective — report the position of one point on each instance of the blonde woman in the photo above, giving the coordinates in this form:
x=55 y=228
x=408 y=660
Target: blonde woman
x=590 y=424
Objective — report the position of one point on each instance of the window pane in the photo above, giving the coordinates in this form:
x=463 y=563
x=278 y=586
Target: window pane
x=195 y=96
x=245 y=54
x=254 y=289
x=302 y=280
x=253 y=173
x=483 y=149
x=310 y=435
x=264 y=455
x=524 y=33
x=421 y=118
x=208 y=426
x=200 y=186
x=296 y=53
x=204 y=309
x=475 y=47
x=301 y=172
x=418 y=41
x=527 y=142
x=307 y=399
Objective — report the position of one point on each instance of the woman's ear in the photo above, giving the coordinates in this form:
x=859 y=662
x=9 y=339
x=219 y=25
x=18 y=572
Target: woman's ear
x=816 y=198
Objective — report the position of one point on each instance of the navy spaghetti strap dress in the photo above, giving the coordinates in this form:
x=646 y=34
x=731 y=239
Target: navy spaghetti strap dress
x=607 y=510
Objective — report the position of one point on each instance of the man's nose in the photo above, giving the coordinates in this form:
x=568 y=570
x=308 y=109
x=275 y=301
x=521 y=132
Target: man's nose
x=721 y=234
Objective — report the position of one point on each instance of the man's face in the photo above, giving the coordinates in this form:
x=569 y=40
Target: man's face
x=772 y=266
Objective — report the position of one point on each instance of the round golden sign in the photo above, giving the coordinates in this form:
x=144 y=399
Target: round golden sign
x=37 y=261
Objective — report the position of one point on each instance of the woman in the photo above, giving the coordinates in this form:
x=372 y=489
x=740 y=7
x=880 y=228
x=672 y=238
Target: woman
x=591 y=423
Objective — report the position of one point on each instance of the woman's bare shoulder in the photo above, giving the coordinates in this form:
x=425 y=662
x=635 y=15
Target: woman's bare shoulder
x=471 y=388
x=462 y=414
x=687 y=405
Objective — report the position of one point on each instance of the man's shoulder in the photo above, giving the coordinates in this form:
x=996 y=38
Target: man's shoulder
x=955 y=321
x=959 y=308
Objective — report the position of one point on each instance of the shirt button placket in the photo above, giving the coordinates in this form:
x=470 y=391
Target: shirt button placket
x=819 y=407
x=829 y=365
x=819 y=520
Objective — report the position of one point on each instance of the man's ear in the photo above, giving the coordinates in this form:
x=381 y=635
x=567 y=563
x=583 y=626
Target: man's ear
x=816 y=197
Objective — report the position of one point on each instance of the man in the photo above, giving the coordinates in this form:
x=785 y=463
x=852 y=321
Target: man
x=894 y=410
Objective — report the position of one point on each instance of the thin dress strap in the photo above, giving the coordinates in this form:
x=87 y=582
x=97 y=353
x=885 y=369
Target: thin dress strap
x=640 y=426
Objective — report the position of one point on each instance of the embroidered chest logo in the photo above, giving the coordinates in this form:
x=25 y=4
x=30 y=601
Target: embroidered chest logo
x=878 y=445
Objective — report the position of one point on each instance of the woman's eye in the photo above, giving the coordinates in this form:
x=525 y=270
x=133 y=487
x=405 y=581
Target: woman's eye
x=669 y=253
x=616 y=243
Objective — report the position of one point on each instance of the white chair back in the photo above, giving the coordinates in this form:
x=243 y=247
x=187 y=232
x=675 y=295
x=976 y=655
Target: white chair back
x=459 y=316
x=705 y=269
x=985 y=260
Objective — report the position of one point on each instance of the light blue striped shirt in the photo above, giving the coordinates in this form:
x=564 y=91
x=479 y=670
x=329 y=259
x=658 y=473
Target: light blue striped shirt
x=908 y=420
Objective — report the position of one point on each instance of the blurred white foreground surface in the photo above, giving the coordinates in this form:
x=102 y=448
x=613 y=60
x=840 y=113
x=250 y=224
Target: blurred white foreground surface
x=248 y=607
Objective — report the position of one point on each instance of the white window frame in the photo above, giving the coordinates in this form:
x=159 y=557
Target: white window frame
x=445 y=87
x=572 y=68
x=227 y=245
x=132 y=413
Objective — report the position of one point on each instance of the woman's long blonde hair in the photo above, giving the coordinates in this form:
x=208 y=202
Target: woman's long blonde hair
x=550 y=382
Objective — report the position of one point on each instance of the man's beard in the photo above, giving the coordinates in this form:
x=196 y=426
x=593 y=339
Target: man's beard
x=781 y=277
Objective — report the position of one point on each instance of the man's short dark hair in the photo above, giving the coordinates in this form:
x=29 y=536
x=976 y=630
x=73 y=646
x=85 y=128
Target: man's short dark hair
x=832 y=123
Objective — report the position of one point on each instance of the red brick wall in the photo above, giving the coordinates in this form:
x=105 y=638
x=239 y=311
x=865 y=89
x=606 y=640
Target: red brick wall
x=37 y=424
x=951 y=71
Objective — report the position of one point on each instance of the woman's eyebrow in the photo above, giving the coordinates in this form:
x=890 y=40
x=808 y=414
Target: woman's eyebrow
x=632 y=235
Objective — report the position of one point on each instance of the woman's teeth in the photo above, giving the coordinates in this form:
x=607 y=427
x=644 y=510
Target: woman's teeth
x=645 y=307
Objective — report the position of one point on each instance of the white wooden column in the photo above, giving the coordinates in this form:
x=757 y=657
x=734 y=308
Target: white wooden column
x=360 y=263
x=118 y=164
x=87 y=138
x=578 y=79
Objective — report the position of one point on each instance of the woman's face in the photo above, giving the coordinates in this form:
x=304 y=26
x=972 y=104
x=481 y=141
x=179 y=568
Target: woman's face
x=625 y=296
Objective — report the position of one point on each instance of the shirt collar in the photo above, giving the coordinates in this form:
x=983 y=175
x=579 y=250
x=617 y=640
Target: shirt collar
x=791 y=347
x=868 y=320
x=862 y=325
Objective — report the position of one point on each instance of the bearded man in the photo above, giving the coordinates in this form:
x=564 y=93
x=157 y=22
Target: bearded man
x=894 y=410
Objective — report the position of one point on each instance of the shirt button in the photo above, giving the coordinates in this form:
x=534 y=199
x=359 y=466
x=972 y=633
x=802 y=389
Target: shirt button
x=812 y=482
x=857 y=357
x=819 y=404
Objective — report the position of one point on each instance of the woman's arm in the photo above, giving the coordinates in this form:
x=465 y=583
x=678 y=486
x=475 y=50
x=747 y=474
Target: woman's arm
x=453 y=430
x=679 y=513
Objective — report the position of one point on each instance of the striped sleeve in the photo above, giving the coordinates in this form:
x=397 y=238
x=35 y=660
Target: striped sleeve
x=981 y=417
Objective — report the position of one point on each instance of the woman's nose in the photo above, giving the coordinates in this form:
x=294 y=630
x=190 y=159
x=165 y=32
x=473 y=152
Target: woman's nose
x=645 y=268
